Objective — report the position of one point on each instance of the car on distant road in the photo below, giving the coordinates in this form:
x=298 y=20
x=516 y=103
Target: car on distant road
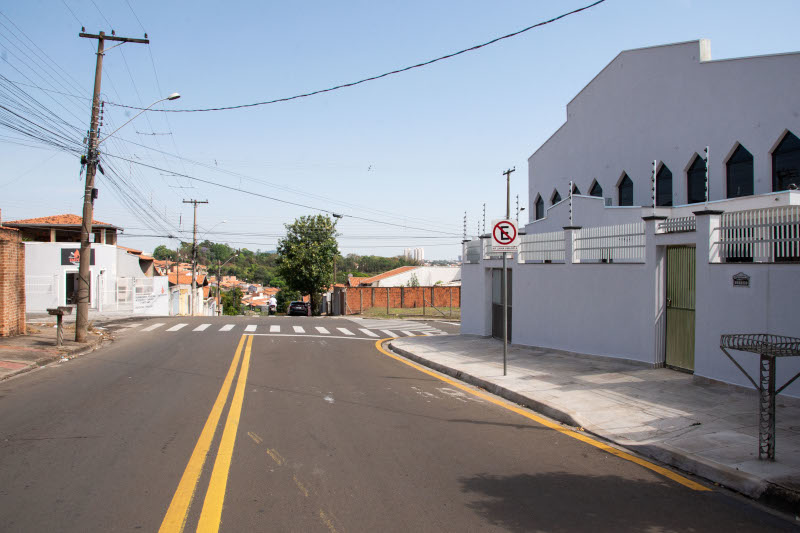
x=298 y=308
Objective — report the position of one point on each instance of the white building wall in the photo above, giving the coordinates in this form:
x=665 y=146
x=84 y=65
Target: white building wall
x=668 y=103
x=426 y=276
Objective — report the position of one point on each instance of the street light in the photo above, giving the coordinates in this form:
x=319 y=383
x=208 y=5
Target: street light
x=338 y=217
x=173 y=96
x=82 y=317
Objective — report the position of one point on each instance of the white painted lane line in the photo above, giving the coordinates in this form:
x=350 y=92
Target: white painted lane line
x=251 y=327
x=427 y=333
x=367 y=332
x=227 y=327
x=154 y=326
x=274 y=329
x=346 y=331
x=202 y=327
x=130 y=326
x=323 y=330
x=176 y=327
x=407 y=333
x=299 y=329
x=388 y=333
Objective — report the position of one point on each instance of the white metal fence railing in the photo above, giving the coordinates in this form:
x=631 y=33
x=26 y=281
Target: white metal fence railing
x=677 y=224
x=542 y=247
x=472 y=252
x=487 y=250
x=760 y=235
x=622 y=243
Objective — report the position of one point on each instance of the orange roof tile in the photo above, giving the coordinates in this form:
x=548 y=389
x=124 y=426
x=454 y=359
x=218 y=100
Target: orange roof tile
x=58 y=220
x=355 y=282
x=130 y=250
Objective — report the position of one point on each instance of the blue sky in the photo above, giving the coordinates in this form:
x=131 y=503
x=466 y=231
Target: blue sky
x=417 y=149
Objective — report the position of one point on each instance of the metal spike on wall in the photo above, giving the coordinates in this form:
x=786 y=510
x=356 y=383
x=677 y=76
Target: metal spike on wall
x=570 y=201
x=706 y=161
x=653 y=181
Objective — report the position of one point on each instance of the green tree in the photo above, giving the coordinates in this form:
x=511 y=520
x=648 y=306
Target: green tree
x=231 y=301
x=306 y=255
x=161 y=253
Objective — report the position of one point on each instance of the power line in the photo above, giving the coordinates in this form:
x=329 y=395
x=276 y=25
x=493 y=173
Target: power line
x=373 y=78
x=252 y=193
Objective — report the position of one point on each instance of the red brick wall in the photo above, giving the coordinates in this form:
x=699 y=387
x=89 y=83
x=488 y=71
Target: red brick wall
x=362 y=298
x=12 y=283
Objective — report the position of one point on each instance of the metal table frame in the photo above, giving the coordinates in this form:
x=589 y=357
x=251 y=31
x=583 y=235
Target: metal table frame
x=769 y=348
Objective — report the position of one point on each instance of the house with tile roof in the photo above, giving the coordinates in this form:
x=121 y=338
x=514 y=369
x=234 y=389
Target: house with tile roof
x=404 y=276
x=121 y=279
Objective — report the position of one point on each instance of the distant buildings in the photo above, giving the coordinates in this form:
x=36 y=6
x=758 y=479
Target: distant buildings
x=417 y=254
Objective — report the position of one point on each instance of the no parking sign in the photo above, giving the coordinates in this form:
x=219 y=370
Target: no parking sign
x=505 y=237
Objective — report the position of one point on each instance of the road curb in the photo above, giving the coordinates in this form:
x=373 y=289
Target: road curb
x=72 y=353
x=774 y=494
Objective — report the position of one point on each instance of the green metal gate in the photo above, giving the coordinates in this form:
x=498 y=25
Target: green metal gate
x=680 y=307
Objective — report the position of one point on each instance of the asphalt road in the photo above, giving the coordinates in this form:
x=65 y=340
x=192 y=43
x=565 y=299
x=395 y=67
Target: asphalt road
x=326 y=433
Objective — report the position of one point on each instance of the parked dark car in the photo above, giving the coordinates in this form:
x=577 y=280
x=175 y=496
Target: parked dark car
x=298 y=308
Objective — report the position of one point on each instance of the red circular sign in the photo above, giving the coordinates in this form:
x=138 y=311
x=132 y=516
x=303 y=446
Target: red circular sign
x=504 y=232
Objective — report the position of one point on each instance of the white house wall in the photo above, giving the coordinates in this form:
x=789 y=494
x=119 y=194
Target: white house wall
x=668 y=103
x=426 y=277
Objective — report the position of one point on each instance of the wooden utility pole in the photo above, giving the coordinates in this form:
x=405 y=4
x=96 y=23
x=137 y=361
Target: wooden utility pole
x=82 y=317
x=194 y=252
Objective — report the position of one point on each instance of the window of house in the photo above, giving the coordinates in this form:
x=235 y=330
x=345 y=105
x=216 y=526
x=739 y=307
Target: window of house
x=539 y=208
x=739 y=179
x=786 y=163
x=664 y=187
x=596 y=190
x=575 y=190
x=555 y=198
x=696 y=181
x=625 y=189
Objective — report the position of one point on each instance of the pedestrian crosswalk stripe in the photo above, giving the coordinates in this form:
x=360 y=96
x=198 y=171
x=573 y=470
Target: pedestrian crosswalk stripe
x=274 y=329
x=202 y=327
x=388 y=333
x=299 y=329
x=427 y=333
x=250 y=327
x=176 y=327
x=154 y=326
x=227 y=327
x=407 y=333
x=323 y=330
x=346 y=331
x=367 y=332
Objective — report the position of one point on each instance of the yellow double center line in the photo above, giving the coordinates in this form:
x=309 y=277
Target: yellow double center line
x=175 y=519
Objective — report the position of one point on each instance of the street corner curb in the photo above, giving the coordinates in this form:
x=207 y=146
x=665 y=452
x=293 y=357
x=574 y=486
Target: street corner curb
x=69 y=354
x=742 y=482
x=498 y=390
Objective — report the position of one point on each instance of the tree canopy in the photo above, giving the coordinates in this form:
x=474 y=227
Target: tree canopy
x=306 y=255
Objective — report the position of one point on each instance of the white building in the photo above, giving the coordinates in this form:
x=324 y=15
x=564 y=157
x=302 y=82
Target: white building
x=412 y=276
x=417 y=254
x=120 y=279
x=603 y=272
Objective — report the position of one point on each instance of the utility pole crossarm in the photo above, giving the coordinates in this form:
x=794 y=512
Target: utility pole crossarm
x=102 y=35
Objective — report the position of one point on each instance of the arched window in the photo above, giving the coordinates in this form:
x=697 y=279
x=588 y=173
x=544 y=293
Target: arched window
x=625 y=189
x=575 y=190
x=555 y=198
x=739 y=179
x=786 y=163
x=596 y=190
x=664 y=187
x=696 y=181
x=539 y=208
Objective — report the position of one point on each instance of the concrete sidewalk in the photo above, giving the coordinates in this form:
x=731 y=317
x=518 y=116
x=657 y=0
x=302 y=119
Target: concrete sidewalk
x=22 y=353
x=708 y=429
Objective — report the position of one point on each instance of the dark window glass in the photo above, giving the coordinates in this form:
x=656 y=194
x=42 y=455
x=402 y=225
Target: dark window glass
x=539 y=208
x=575 y=190
x=625 y=191
x=696 y=181
x=596 y=190
x=740 y=173
x=664 y=187
x=555 y=198
x=786 y=163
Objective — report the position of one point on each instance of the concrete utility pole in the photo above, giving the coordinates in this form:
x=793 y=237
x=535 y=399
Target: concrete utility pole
x=507 y=174
x=82 y=317
x=194 y=252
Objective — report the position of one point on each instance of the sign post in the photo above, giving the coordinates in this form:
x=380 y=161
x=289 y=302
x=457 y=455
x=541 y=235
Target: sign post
x=505 y=238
